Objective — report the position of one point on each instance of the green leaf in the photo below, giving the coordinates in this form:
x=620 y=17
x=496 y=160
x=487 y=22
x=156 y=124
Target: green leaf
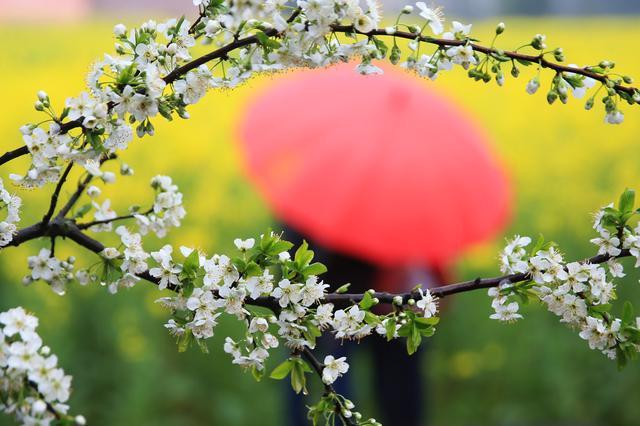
x=316 y=268
x=381 y=46
x=606 y=307
x=282 y=370
x=257 y=374
x=184 y=341
x=422 y=321
x=627 y=200
x=191 y=263
x=390 y=328
x=634 y=334
x=258 y=311
x=239 y=263
x=267 y=41
x=414 y=339
x=278 y=247
x=367 y=301
x=303 y=255
x=343 y=288
x=252 y=269
x=187 y=287
x=82 y=211
x=298 y=380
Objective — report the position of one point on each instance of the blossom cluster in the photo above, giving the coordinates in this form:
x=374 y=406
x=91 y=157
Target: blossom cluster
x=580 y=293
x=167 y=210
x=153 y=71
x=32 y=387
x=46 y=267
x=8 y=226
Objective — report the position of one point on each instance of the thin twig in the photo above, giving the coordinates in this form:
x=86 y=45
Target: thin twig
x=328 y=389
x=56 y=193
x=83 y=226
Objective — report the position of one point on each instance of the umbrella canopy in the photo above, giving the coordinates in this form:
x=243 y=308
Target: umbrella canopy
x=380 y=167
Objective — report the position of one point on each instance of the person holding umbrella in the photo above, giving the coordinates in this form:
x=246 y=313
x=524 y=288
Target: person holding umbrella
x=390 y=180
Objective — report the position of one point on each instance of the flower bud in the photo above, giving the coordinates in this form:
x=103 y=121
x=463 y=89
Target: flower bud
x=589 y=104
x=119 y=30
x=80 y=420
x=390 y=30
x=126 y=170
x=558 y=54
x=212 y=27
x=533 y=85
x=42 y=96
x=500 y=28
x=397 y=300
x=39 y=106
x=407 y=9
x=39 y=406
x=108 y=177
x=538 y=42
x=411 y=302
x=27 y=129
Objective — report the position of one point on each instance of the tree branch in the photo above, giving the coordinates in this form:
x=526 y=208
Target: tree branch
x=83 y=226
x=56 y=193
x=222 y=52
x=10 y=155
x=67 y=228
x=535 y=59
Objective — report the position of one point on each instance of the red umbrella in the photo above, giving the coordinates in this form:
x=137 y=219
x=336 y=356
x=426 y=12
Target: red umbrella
x=381 y=167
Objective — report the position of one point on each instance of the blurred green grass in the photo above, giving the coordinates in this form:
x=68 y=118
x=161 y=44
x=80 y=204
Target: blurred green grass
x=563 y=162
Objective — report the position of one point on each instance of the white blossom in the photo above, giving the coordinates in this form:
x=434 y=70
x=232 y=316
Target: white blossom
x=333 y=368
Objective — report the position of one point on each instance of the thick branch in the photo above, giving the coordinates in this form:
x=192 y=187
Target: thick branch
x=10 y=155
x=66 y=228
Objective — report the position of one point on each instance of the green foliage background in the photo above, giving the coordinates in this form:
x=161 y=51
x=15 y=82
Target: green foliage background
x=563 y=162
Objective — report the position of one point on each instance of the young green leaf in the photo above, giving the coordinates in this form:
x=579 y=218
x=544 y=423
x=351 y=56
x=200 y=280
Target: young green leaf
x=627 y=200
x=282 y=370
